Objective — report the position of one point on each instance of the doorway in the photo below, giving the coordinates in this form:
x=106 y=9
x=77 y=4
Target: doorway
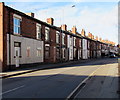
x=17 y=53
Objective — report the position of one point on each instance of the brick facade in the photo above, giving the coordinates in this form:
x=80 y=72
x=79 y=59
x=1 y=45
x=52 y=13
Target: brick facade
x=59 y=44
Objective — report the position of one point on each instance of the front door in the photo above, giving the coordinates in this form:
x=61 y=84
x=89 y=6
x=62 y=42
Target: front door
x=17 y=56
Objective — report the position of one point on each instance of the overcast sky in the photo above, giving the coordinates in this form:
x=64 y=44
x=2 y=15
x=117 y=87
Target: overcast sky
x=99 y=18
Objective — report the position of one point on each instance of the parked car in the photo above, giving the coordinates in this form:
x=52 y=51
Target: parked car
x=112 y=56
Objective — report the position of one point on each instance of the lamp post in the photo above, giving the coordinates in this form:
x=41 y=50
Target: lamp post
x=63 y=11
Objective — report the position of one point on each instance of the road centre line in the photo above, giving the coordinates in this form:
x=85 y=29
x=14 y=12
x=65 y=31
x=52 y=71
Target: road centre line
x=12 y=90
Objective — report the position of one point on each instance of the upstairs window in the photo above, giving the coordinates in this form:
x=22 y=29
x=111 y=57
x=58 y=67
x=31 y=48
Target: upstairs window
x=47 y=34
x=38 y=30
x=71 y=41
x=80 y=42
x=74 y=41
x=57 y=37
x=63 y=38
x=16 y=23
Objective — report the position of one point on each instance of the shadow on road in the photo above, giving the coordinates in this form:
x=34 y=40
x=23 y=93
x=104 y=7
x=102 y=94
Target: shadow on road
x=59 y=86
x=100 y=61
x=56 y=86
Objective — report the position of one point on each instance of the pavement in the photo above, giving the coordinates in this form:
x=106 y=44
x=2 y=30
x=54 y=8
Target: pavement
x=39 y=67
x=104 y=83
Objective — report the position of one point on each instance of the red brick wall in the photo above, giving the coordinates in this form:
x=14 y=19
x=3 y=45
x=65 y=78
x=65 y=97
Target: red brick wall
x=52 y=45
x=1 y=35
x=3 y=38
x=28 y=28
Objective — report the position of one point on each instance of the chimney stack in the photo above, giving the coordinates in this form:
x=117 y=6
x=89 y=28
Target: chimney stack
x=50 y=21
x=90 y=35
x=74 y=30
x=97 y=38
x=83 y=32
x=100 y=39
x=64 y=27
x=30 y=14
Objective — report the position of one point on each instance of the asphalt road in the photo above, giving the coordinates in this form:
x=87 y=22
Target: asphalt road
x=57 y=82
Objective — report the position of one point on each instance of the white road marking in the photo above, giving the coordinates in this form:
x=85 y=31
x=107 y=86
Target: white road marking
x=81 y=84
x=12 y=90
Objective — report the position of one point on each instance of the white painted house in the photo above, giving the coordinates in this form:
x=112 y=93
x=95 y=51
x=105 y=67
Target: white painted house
x=84 y=49
x=70 y=46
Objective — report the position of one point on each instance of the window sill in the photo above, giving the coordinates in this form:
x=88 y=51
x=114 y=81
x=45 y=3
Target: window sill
x=17 y=34
x=38 y=39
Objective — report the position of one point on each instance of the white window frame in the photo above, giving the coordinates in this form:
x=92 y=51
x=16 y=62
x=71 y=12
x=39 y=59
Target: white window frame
x=74 y=41
x=63 y=52
x=38 y=32
x=71 y=41
x=80 y=42
x=39 y=52
x=63 y=38
x=47 y=34
x=15 y=16
x=57 y=37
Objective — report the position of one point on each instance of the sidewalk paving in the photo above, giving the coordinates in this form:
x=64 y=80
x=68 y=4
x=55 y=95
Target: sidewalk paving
x=104 y=83
x=39 y=67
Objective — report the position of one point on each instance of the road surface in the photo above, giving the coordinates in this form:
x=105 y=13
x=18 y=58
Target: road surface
x=64 y=82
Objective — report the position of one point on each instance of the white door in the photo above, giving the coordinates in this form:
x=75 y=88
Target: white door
x=17 y=56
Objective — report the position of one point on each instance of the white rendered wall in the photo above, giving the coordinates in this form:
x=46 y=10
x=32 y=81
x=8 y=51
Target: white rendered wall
x=84 y=49
x=26 y=43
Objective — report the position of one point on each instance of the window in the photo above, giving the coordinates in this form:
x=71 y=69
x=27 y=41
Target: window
x=17 y=44
x=63 y=38
x=28 y=51
x=47 y=52
x=74 y=52
x=47 y=31
x=63 y=52
x=38 y=52
x=88 y=53
x=80 y=42
x=57 y=37
x=58 y=53
x=71 y=53
x=88 y=44
x=74 y=41
x=80 y=53
x=71 y=41
x=38 y=28
x=17 y=25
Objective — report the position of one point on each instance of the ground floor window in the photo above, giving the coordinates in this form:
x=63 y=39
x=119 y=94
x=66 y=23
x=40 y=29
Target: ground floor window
x=39 y=52
x=28 y=51
x=47 y=52
x=74 y=52
x=63 y=52
x=80 y=54
x=88 y=53
x=58 y=53
x=71 y=53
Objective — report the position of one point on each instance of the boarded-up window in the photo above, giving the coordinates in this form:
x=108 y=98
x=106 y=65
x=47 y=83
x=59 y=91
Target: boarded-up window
x=47 y=52
x=28 y=51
